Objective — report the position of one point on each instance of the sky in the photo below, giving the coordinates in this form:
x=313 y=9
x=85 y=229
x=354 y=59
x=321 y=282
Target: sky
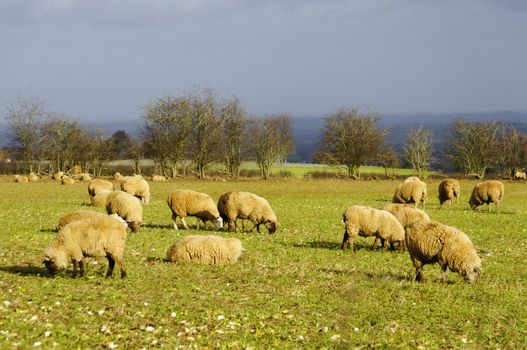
x=104 y=60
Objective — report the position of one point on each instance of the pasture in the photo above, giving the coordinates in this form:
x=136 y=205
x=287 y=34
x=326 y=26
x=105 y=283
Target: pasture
x=293 y=289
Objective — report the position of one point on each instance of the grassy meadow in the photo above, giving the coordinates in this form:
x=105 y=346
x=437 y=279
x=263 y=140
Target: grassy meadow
x=295 y=289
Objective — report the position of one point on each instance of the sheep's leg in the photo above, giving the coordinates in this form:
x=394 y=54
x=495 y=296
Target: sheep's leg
x=418 y=269
x=120 y=263
x=184 y=223
x=348 y=239
x=81 y=267
x=174 y=217
x=75 y=268
x=376 y=242
x=443 y=276
x=231 y=225
x=111 y=264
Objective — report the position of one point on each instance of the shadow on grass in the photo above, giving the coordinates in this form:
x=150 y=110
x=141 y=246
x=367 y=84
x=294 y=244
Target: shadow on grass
x=318 y=245
x=167 y=227
x=27 y=270
x=49 y=230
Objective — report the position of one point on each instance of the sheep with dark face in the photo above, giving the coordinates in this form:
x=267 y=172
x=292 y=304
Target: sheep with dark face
x=448 y=190
x=432 y=242
x=487 y=192
x=94 y=237
x=127 y=207
x=98 y=185
x=246 y=205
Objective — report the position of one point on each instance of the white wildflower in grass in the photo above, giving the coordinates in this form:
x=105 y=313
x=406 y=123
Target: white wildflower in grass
x=57 y=303
x=7 y=302
x=103 y=328
x=173 y=314
x=356 y=329
x=112 y=345
x=34 y=318
x=300 y=338
x=221 y=317
x=325 y=329
x=146 y=304
x=37 y=344
x=47 y=334
x=100 y=312
x=219 y=331
x=149 y=329
x=90 y=313
x=335 y=337
x=4 y=331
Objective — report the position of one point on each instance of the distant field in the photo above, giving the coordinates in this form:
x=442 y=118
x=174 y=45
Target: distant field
x=294 y=289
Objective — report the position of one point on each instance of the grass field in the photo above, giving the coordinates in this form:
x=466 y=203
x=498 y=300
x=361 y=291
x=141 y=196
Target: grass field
x=295 y=289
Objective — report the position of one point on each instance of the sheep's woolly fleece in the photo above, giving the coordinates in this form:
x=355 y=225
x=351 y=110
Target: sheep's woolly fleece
x=207 y=250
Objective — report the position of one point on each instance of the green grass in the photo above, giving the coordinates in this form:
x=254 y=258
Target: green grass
x=295 y=289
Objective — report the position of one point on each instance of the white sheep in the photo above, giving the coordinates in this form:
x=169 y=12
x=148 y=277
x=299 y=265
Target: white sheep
x=127 y=207
x=185 y=203
x=33 y=177
x=208 y=250
x=21 y=178
x=98 y=185
x=411 y=178
x=159 y=178
x=365 y=221
x=486 y=192
x=431 y=242
x=519 y=175
x=411 y=192
x=65 y=180
x=246 y=205
x=82 y=177
x=406 y=214
x=100 y=199
x=448 y=190
x=137 y=186
x=118 y=176
x=92 y=237
x=58 y=175
x=79 y=215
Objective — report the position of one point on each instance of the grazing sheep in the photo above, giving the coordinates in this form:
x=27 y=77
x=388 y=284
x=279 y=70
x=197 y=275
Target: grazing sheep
x=411 y=192
x=431 y=242
x=207 y=250
x=185 y=203
x=100 y=199
x=519 y=175
x=96 y=186
x=246 y=205
x=448 y=190
x=33 y=177
x=159 y=178
x=79 y=215
x=406 y=214
x=412 y=178
x=365 y=221
x=118 y=176
x=126 y=206
x=58 y=175
x=137 y=186
x=21 y=178
x=82 y=177
x=486 y=192
x=91 y=237
x=67 y=180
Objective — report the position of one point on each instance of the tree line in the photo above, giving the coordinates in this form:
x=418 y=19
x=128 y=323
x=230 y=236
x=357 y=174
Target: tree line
x=192 y=131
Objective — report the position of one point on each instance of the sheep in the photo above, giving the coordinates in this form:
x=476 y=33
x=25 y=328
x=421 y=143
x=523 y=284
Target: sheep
x=185 y=203
x=519 y=175
x=118 y=176
x=67 y=180
x=126 y=206
x=431 y=242
x=448 y=190
x=21 y=178
x=82 y=177
x=486 y=192
x=136 y=186
x=58 y=175
x=411 y=192
x=246 y=205
x=207 y=250
x=91 y=237
x=98 y=185
x=159 y=178
x=412 y=178
x=100 y=199
x=79 y=215
x=365 y=221
x=33 y=177
x=406 y=214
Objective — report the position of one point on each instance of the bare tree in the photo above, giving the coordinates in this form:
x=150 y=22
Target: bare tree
x=136 y=152
x=388 y=159
x=100 y=150
x=513 y=150
x=25 y=117
x=418 y=150
x=233 y=123
x=350 y=139
x=474 y=147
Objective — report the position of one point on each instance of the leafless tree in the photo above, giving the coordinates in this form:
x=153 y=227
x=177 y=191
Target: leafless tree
x=418 y=150
x=350 y=139
x=233 y=127
x=99 y=151
x=513 y=150
x=474 y=146
x=388 y=159
x=136 y=152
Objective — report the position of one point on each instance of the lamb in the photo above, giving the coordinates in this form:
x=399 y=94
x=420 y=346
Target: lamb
x=366 y=221
x=448 y=190
x=411 y=192
x=246 y=205
x=519 y=175
x=431 y=242
x=185 y=203
x=91 y=237
x=159 y=178
x=126 y=206
x=67 y=180
x=486 y=192
x=100 y=199
x=33 y=177
x=207 y=250
x=79 y=215
x=96 y=186
x=21 y=178
x=58 y=175
x=136 y=186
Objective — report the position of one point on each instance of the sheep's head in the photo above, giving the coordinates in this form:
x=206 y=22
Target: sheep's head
x=134 y=226
x=50 y=265
x=218 y=222
x=55 y=260
x=120 y=219
x=472 y=276
x=271 y=226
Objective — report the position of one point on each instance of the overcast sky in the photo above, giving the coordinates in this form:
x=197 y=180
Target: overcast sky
x=105 y=59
